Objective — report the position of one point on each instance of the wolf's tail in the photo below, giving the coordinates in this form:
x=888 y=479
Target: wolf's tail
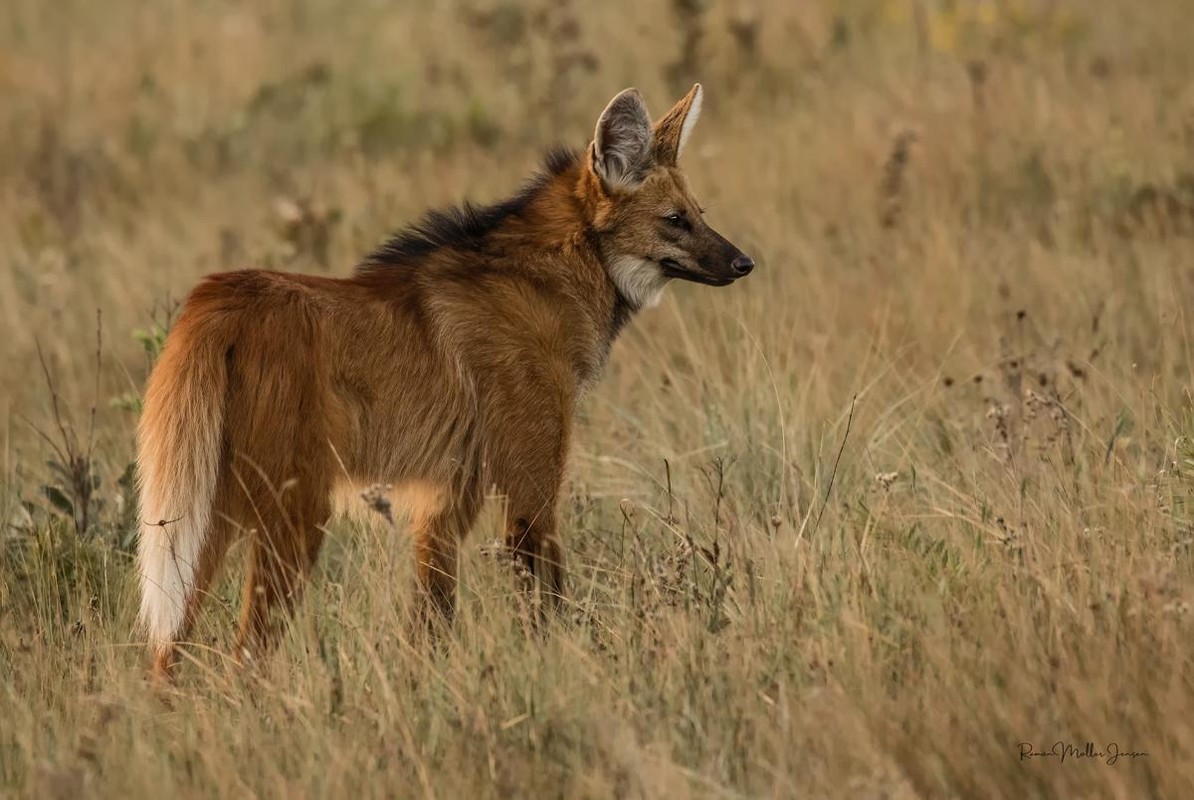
x=178 y=458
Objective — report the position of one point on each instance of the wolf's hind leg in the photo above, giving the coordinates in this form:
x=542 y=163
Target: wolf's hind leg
x=284 y=544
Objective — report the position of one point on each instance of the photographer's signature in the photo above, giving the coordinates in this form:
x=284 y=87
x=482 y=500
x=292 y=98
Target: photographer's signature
x=1060 y=750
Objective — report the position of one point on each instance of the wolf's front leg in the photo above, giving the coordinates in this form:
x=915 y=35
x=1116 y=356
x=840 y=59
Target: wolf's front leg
x=527 y=457
x=438 y=534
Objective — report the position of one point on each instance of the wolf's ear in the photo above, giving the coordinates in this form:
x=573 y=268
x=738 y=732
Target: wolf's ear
x=672 y=132
x=622 y=142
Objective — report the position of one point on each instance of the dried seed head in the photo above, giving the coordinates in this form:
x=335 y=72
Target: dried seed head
x=894 y=170
x=377 y=498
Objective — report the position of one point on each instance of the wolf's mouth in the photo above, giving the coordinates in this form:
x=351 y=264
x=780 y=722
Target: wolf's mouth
x=673 y=269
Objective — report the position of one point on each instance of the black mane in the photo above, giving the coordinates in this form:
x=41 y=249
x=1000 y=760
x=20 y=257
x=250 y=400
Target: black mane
x=466 y=226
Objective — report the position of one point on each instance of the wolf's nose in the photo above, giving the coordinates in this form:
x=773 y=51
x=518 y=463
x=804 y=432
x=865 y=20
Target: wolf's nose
x=742 y=265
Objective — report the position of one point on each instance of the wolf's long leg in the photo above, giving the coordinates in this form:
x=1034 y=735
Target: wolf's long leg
x=285 y=542
x=528 y=463
x=437 y=542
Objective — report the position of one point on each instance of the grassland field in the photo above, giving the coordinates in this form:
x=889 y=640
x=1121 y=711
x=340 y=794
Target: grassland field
x=916 y=494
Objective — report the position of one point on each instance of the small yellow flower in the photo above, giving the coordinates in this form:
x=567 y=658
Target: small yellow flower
x=943 y=31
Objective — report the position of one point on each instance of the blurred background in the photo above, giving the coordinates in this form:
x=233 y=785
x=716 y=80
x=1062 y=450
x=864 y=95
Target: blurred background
x=146 y=144
x=943 y=432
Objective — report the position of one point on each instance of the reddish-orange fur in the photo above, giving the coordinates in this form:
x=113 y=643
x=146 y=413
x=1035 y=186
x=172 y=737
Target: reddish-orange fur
x=449 y=364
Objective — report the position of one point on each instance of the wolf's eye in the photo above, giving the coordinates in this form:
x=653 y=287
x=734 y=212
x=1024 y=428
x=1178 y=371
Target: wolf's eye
x=678 y=220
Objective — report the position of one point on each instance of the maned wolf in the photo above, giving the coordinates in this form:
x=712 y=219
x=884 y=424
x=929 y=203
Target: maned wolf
x=449 y=364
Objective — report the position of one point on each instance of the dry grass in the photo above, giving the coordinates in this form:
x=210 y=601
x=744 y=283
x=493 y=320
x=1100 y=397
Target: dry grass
x=916 y=492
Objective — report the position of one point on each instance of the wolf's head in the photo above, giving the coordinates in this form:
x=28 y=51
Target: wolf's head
x=649 y=225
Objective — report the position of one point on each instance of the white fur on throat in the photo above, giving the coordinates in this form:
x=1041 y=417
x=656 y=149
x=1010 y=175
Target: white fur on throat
x=640 y=281
x=694 y=112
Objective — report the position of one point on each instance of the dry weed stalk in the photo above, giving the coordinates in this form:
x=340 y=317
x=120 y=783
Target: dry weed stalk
x=689 y=16
x=893 y=188
x=73 y=464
